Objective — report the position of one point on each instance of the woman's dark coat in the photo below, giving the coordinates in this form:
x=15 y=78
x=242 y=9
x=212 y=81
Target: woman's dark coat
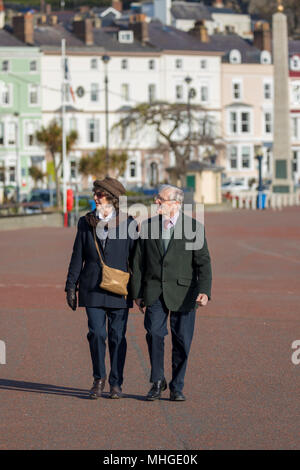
x=85 y=270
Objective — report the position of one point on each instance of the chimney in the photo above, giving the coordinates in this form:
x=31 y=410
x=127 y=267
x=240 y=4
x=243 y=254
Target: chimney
x=84 y=9
x=218 y=4
x=200 y=31
x=42 y=6
x=52 y=19
x=23 y=27
x=40 y=19
x=117 y=5
x=83 y=29
x=262 y=36
x=48 y=8
x=140 y=27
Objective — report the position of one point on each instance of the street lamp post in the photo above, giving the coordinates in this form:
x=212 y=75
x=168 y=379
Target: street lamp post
x=188 y=81
x=259 y=157
x=106 y=59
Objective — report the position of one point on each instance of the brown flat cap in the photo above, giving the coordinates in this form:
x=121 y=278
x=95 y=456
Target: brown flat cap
x=111 y=185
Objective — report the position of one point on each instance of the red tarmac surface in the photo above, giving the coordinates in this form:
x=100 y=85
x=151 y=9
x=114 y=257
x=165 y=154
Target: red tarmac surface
x=242 y=388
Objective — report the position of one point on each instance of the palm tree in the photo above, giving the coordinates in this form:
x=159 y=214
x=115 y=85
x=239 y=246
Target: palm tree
x=51 y=138
x=95 y=164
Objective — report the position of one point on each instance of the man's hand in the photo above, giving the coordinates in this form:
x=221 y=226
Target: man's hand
x=202 y=300
x=72 y=299
x=141 y=305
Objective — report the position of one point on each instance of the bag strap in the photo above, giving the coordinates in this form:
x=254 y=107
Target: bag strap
x=97 y=247
x=101 y=259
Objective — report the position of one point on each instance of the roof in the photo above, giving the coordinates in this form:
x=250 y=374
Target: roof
x=202 y=166
x=172 y=39
x=294 y=46
x=8 y=40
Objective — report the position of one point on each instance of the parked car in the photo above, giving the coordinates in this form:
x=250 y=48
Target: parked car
x=42 y=196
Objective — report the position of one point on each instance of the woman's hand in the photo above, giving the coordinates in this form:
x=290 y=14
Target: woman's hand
x=72 y=299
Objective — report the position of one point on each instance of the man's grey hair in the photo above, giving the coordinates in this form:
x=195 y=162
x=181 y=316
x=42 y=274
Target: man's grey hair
x=175 y=193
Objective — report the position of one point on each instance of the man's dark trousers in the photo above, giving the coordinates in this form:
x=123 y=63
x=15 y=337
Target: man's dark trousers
x=117 y=322
x=182 y=329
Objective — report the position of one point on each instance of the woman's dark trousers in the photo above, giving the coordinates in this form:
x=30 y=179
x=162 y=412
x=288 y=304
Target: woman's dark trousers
x=116 y=329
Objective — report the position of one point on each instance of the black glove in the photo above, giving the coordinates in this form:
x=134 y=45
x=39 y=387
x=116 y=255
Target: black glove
x=72 y=299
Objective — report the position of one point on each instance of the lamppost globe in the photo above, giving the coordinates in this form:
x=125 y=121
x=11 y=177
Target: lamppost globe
x=105 y=59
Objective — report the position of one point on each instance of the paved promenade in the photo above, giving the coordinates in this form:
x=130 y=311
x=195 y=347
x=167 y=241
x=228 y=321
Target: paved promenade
x=242 y=388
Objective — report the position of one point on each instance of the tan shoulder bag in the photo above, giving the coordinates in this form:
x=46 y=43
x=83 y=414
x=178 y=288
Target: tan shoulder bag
x=113 y=280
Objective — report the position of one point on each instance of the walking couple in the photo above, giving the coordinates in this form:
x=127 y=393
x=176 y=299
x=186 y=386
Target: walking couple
x=166 y=280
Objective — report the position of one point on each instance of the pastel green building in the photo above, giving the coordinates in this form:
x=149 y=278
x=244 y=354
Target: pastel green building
x=20 y=114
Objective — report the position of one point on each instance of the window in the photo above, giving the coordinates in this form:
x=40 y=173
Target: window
x=233 y=122
x=125 y=36
x=73 y=170
x=245 y=122
x=1 y=133
x=233 y=155
x=94 y=64
x=204 y=93
x=295 y=161
x=265 y=57
x=6 y=89
x=124 y=64
x=33 y=94
x=33 y=66
x=12 y=174
x=151 y=64
x=178 y=64
x=73 y=124
x=239 y=122
x=5 y=66
x=267 y=90
x=246 y=153
x=94 y=92
x=132 y=169
x=179 y=92
x=2 y=174
x=268 y=123
x=30 y=129
x=11 y=133
x=237 y=89
x=296 y=92
x=235 y=57
x=152 y=92
x=125 y=91
x=203 y=64
x=93 y=130
x=295 y=62
x=295 y=128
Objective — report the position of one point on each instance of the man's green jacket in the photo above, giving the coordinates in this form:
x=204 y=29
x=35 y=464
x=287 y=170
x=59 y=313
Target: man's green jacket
x=181 y=273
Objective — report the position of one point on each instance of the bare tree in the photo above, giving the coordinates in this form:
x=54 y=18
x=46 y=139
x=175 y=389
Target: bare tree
x=176 y=127
x=51 y=138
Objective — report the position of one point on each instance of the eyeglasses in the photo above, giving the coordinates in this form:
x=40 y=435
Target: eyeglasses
x=99 y=194
x=161 y=200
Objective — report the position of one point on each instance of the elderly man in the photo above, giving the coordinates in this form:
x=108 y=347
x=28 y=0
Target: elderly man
x=171 y=275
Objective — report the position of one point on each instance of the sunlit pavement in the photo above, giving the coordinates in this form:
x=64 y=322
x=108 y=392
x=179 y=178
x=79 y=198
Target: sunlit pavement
x=242 y=387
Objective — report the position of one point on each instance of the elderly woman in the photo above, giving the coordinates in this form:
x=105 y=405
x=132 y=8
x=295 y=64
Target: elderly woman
x=109 y=228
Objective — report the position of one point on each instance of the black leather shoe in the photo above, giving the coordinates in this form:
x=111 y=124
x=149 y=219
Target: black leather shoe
x=97 y=388
x=115 y=392
x=156 y=389
x=177 y=396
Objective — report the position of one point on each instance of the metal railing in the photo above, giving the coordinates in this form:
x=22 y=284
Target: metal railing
x=22 y=208
x=248 y=200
